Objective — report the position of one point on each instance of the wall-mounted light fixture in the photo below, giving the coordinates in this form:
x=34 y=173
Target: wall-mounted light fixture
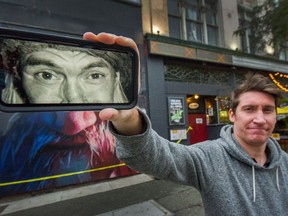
x=234 y=46
x=269 y=50
x=156 y=30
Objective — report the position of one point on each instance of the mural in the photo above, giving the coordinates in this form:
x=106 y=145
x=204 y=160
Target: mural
x=54 y=149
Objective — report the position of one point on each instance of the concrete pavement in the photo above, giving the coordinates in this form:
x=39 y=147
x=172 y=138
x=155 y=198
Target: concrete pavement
x=134 y=195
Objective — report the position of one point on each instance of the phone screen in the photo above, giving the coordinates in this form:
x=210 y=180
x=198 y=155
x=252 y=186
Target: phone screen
x=48 y=72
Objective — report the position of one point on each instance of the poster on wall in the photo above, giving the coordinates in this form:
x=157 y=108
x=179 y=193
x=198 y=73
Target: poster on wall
x=47 y=150
x=176 y=110
x=178 y=134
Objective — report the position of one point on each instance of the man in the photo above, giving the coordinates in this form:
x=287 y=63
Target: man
x=244 y=172
x=47 y=73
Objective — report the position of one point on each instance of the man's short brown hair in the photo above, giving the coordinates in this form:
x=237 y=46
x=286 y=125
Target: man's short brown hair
x=255 y=82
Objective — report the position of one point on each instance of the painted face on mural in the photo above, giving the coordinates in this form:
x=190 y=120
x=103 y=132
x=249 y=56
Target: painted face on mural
x=57 y=143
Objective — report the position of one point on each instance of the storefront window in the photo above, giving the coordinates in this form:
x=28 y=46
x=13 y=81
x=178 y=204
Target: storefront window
x=281 y=128
x=282 y=119
x=211 y=114
x=217 y=110
x=223 y=107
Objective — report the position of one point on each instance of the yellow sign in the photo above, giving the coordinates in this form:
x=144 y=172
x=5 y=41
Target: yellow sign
x=282 y=110
x=276 y=136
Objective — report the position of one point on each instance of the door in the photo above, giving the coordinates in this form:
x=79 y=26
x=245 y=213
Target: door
x=199 y=128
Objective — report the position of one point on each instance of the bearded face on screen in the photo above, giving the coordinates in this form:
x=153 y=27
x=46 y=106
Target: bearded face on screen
x=38 y=145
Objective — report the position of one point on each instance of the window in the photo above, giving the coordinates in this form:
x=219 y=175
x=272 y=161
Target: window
x=283 y=54
x=194 y=20
x=245 y=17
x=211 y=20
x=223 y=109
x=211 y=110
x=217 y=109
x=174 y=17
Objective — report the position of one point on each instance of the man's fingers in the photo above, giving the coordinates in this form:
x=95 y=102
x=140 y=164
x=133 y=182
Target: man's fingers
x=107 y=114
x=90 y=36
x=109 y=39
x=101 y=37
x=124 y=41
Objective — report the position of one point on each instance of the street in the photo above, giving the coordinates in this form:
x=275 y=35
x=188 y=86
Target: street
x=152 y=197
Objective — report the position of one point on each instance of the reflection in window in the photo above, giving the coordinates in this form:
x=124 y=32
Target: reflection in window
x=194 y=32
x=193 y=14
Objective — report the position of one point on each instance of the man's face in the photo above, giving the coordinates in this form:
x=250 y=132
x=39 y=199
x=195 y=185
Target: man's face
x=254 y=119
x=57 y=76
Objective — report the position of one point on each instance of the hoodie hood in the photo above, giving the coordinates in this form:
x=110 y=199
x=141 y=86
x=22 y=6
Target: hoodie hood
x=237 y=151
x=232 y=146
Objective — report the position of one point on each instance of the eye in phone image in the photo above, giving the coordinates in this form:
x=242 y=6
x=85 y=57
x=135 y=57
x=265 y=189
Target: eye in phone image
x=46 y=74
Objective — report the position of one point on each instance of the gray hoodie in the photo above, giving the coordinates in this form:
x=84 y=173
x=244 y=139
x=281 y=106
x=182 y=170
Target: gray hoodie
x=229 y=180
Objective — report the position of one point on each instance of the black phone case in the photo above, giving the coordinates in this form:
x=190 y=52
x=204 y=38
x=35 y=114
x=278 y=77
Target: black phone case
x=132 y=89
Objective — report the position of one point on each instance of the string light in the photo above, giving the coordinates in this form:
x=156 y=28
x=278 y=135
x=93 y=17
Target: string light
x=280 y=75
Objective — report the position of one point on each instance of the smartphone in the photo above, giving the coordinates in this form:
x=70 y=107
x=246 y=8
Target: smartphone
x=46 y=72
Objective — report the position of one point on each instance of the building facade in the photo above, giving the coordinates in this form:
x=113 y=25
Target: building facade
x=194 y=60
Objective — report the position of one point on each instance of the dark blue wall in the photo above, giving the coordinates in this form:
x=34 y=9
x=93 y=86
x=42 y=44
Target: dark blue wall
x=74 y=16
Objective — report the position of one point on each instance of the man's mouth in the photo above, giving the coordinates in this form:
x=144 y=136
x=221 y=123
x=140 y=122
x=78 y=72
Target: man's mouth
x=258 y=130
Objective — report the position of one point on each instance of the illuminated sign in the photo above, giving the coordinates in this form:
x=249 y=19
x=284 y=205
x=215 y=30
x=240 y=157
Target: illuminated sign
x=275 y=78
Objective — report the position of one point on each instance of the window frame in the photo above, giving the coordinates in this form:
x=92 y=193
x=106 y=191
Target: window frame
x=202 y=26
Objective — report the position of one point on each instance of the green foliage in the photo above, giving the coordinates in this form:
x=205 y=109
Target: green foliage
x=269 y=25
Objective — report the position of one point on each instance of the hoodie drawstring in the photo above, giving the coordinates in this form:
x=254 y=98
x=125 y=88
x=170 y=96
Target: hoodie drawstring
x=277 y=179
x=254 y=184
x=254 y=181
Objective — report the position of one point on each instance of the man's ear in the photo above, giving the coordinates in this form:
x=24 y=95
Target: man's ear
x=119 y=94
x=231 y=115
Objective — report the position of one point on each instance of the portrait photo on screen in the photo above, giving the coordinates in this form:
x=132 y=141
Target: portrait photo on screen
x=51 y=73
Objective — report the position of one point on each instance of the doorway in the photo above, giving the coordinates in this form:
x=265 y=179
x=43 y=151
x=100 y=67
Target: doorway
x=197 y=118
x=199 y=128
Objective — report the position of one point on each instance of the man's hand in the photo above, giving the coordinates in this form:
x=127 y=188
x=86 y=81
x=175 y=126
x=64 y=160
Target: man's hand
x=126 y=122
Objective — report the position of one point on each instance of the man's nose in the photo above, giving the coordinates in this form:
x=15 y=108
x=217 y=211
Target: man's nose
x=72 y=92
x=260 y=117
x=78 y=121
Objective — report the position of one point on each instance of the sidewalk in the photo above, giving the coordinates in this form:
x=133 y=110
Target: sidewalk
x=134 y=195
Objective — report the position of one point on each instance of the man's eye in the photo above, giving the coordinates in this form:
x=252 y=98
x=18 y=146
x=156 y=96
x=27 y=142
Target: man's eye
x=269 y=110
x=96 y=76
x=248 y=109
x=46 y=76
